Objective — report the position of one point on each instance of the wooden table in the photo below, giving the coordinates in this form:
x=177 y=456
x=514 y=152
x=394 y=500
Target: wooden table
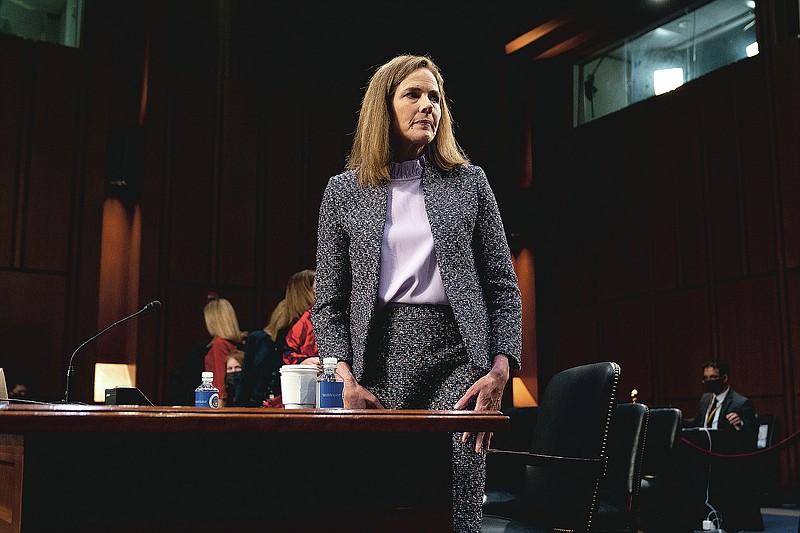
x=134 y=469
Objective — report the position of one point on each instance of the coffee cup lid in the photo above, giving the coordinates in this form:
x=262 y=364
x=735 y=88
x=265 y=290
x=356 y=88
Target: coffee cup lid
x=310 y=369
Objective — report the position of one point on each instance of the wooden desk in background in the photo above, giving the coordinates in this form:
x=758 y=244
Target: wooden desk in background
x=134 y=469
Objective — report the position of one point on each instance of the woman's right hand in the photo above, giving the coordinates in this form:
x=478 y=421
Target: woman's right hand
x=354 y=395
x=357 y=397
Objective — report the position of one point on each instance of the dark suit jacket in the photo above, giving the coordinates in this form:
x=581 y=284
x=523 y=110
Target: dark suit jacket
x=734 y=402
x=260 y=377
x=471 y=250
x=729 y=482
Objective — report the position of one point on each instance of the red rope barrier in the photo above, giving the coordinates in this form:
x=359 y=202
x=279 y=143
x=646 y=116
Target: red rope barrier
x=782 y=444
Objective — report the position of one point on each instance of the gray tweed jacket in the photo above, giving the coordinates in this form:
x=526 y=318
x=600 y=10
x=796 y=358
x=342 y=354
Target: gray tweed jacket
x=471 y=250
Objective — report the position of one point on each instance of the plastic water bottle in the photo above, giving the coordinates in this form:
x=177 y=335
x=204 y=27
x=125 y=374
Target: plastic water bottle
x=207 y=395
x=329 y=385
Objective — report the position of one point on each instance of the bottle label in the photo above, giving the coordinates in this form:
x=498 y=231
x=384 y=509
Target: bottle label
x=330 y=394
x=206 y=398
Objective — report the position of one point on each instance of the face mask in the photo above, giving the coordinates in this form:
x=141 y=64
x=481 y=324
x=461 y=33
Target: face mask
x=232 y=379
x=715 y=385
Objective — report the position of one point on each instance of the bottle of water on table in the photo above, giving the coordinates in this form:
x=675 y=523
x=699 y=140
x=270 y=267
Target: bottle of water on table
x=207 y=395
x=329 y=385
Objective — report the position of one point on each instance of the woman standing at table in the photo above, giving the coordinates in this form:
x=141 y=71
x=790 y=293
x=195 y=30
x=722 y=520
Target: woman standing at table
x=416 y=294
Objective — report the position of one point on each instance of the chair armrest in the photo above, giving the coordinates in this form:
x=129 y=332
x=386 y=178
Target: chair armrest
x=520 y=433
x=589 y=466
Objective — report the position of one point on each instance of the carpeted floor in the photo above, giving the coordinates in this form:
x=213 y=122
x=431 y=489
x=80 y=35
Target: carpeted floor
x=782 y=519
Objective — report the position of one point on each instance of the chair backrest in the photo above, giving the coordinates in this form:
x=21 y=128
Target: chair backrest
x=619 y=488
x=661 y=499
x=663 y=435
x=573 y=421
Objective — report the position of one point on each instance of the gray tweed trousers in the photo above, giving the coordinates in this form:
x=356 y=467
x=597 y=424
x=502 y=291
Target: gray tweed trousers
x=415 y=359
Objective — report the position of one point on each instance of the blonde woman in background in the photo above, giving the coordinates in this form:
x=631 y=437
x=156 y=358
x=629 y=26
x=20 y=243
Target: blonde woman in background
x=260 y=382
x=298 y=299
x=223 y=326
x=300 y=346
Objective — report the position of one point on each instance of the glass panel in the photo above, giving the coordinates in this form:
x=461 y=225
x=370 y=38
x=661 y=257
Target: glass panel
x=694 y=43
x=52 y=21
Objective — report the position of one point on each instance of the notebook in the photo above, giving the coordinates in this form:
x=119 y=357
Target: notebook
x=3 y=388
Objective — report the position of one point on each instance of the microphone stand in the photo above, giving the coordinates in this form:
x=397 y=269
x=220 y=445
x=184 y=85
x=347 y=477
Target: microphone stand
x=152 y=306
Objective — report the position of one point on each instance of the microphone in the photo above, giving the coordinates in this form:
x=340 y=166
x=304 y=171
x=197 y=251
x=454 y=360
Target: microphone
x=155 y=305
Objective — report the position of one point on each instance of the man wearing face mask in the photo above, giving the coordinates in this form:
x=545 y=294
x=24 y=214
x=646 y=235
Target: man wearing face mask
x=722 y=407
x=727 y=485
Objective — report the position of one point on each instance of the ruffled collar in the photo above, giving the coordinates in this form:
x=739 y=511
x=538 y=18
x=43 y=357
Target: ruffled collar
x=408 y=170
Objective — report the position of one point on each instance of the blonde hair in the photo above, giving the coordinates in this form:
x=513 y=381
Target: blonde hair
x=298 y=298
x=238 y=355
x=277 y=320
x=372 y=151
x=221 y=320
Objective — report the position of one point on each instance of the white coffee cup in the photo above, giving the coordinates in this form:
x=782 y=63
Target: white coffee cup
x=299 y=386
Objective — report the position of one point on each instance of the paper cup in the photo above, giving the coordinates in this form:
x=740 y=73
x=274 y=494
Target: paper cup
x=299 y=386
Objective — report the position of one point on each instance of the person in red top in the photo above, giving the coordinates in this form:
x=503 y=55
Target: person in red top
x=301 y=344
x=223 y=326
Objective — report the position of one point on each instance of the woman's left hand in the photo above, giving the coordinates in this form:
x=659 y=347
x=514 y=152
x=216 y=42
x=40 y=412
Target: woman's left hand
x=487 y=393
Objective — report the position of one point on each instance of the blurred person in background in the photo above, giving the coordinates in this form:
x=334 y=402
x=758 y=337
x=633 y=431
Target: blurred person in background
x=260 y=382
x=301 y=344
x=223 y=326
x=233 y=373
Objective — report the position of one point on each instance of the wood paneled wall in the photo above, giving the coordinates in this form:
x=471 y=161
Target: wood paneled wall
x=669 y=235
x=48 y=213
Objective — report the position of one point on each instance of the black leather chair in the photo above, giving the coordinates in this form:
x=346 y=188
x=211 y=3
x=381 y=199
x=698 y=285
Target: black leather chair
x=519 y=437
x=659 y=510
x=560 y=475
x=619 y=488
x=505 y=480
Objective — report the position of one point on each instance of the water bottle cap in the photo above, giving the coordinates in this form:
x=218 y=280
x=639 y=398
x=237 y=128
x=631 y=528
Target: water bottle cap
x=208 y=375
x=329 y=361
